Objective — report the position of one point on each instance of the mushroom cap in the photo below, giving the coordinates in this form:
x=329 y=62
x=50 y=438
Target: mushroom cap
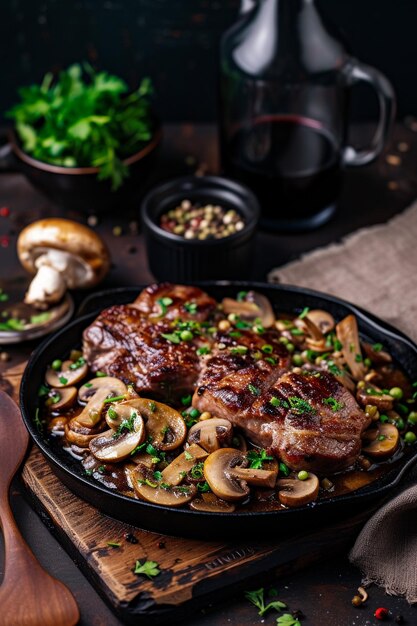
x=109 y=447
x=294 y=492
x=384 y=441
x=66 y=376
x=211 y=434
x=87 y=248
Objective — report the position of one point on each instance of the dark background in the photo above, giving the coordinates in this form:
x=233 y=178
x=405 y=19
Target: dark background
x=175 y=42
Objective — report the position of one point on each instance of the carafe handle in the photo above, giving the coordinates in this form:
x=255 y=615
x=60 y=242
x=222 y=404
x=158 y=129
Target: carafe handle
x=359 y=72
x=246 y=6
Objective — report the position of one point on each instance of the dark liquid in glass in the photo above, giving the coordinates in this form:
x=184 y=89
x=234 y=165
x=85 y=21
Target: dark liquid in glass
x=292 y=164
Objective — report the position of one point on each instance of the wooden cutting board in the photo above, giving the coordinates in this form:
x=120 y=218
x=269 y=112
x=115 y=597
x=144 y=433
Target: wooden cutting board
x=193 y=572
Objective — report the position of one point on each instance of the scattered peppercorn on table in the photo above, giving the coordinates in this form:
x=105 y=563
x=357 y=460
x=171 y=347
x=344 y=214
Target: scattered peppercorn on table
x=325 y=592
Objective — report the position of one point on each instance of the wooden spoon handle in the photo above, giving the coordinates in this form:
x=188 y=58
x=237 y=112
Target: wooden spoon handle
x=29 y=596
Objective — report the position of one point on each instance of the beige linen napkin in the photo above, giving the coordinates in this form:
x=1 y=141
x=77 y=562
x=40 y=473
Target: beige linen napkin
x=376 y=268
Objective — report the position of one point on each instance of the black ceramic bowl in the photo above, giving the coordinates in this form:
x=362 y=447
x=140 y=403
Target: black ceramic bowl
x=78 y=188
x=185 y=522
x=172 y=257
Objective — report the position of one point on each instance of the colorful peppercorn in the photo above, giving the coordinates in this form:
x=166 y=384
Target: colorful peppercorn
x=381 y=613
x=193 y=221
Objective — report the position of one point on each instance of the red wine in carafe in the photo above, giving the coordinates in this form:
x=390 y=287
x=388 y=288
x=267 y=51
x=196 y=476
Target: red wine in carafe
x=292 y=164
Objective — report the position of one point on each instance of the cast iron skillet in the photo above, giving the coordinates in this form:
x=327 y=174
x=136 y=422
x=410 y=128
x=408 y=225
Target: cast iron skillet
x=190 y=523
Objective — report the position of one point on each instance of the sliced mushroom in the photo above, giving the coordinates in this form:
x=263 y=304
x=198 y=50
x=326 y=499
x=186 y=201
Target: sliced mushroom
x=378 y=357
x=164 y=425
x=227 y=473
x=57 y=424
x=253 y=306
x=348 y=335
x=102 y=392
x=309 y=327
x=294 y=492
x=211 y=434
x=114 y=386
x=384 y=441
x=66 y=377
x=370 y=394
x=64 y=398
x=173 y=473
x=317 y=346
x=110 y=447
x=323 y=320
x=149 y=489
x=81 y=435
x=210 y=503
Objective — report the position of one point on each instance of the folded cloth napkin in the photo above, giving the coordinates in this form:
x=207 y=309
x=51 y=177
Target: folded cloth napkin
x=376 y=268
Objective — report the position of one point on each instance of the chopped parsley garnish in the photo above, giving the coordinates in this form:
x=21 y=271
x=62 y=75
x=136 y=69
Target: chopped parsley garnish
x=43 y=391
x=102 y=469
x=333 y=369
x=188 y=456
x=381 y=437
x=304 y=313
x=113 y=544
x=377 y=347
x=113 y=399
x=186 y=400
x=358 y=358
x=164 y=303
x=298 y=405
x=255 y=391
x=150 y=569
x=241 y=296
x=203 y=487
x=172 y=337
x=284 y=469
x=63 y=380
x=112 y=414
x=88 y=385
x=333 y=403
x=183 y=489
x=191 y=307
x=152 y=407
x=165 y=486
x=256 y=459
x=126 y=425
x=101 y=374
x=296 y=332
x=197 y=471
x=241 y=324
x=157 y=475
x=239 y=350
x=271 y=360
x=235 y=334
x=257 y=598
x=277 y=402
x=203 y=350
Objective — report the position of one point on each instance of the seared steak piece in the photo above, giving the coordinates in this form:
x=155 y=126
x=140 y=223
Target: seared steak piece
x=124 y=344
x=188 y=303
x=309 y=420
x=127 y=341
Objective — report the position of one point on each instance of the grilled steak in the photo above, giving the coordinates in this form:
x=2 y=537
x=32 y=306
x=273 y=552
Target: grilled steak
x=310 y=420
x=127 y=341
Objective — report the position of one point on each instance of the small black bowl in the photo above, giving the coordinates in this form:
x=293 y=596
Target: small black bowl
x=172 y=257
x=78 y=188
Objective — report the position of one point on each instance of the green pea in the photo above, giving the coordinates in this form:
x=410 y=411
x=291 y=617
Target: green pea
x=194 y=413
x=412 y=418
x=396 y=392
x=383 y=418
x=186 y=335
x=410 y=437
x=100 y=375
x=400 y=424
x=303 y=475
x=297 y=359
x=290 y=347
x=56 y=365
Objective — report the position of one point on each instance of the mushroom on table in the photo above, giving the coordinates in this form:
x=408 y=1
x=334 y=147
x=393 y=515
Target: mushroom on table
x=62 y=254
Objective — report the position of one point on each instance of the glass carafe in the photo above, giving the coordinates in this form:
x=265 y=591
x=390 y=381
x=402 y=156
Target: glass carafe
x=285 y=81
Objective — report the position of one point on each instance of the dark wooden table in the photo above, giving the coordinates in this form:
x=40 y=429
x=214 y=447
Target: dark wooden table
x=322 y=592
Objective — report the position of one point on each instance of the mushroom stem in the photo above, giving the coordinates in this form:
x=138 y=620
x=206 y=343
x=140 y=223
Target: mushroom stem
x=46 y=288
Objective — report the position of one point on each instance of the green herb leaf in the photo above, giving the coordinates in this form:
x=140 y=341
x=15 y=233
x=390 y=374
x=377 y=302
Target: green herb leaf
x=191 y=307
x=63 y=380
x=148 y=568
x=288 y=620
x=255 y=391
x=304 y=313
x=113 y=399
x=203 y=350
x=333 y=403
x=114 y=544
x=256 y=459
x=188 y=456
x=298 y=405
x=172 y=337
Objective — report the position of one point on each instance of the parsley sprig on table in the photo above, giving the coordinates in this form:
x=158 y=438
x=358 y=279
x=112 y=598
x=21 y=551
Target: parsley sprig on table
x=257 y=598
x=148 y=568
x=84 y=118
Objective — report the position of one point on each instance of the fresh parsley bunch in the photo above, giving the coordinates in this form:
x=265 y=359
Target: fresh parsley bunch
x=84 y=118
